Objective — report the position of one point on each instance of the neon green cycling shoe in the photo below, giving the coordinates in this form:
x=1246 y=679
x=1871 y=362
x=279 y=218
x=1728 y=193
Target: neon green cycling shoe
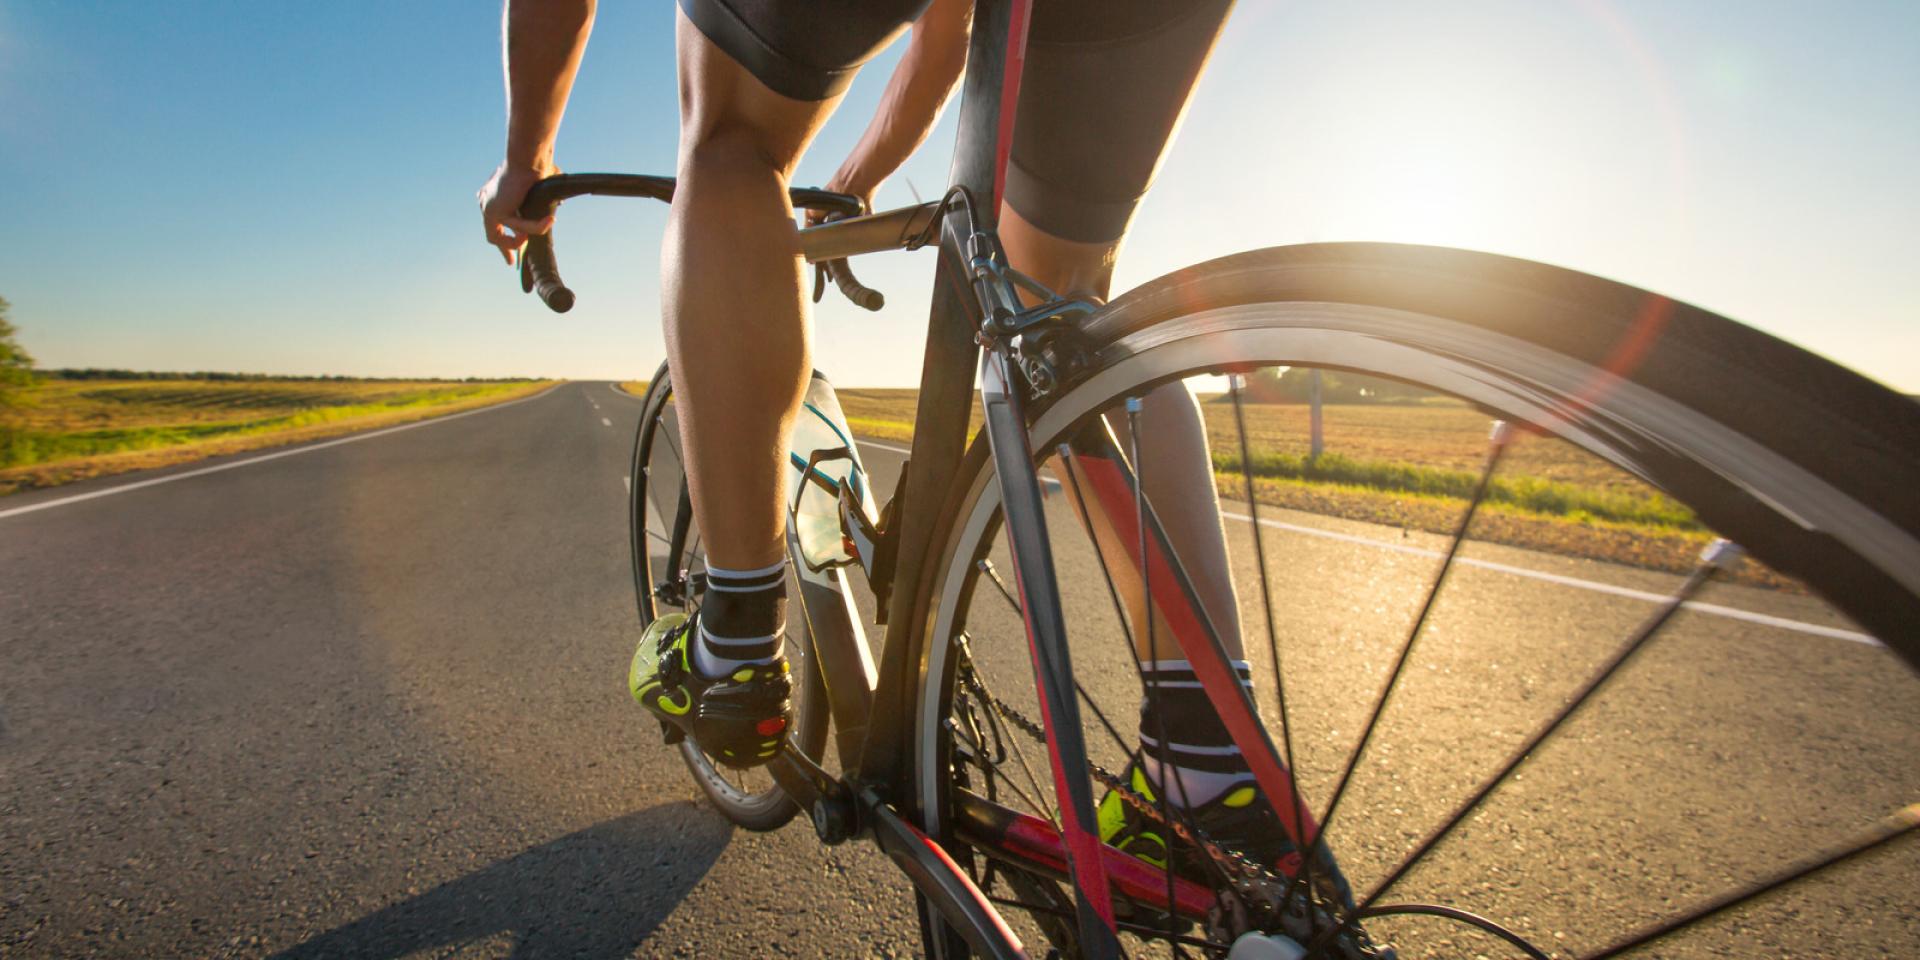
x=739 y=719
x=1240 y=819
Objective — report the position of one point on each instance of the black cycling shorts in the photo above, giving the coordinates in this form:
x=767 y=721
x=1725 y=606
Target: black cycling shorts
x=1104 y=86
x=802 y=49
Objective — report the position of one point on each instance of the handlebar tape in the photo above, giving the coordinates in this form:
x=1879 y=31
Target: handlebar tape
x=862 y=296
x=540 y=274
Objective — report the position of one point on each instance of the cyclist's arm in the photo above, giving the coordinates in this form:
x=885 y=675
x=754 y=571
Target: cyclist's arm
x=542 y=42
x=936 y=55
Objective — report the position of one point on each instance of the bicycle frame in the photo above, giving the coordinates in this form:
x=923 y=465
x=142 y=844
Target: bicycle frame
x=974 y=324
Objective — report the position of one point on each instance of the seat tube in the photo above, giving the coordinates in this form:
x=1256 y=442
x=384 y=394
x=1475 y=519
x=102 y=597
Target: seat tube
x=946 y=388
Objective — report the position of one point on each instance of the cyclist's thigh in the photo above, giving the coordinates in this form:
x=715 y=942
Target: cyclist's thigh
x=776 y=67
x=1104 y=85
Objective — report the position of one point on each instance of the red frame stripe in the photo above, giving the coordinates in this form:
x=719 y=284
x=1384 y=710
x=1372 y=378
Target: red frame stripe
x=1034 y=840
x=1086 y=864
x=1114 y=496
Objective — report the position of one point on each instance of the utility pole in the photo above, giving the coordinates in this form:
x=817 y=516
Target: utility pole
x=1313 y=413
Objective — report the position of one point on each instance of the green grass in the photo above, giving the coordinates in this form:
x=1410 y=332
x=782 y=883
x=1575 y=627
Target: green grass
x=1533 y=494
x=56 y=425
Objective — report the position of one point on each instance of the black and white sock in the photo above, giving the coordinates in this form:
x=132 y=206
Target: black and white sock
x=743 y=619
x=1197 y=752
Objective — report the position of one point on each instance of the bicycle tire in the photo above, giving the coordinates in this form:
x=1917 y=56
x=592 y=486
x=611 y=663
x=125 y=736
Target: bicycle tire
x=1807 y=465
x=765 y=808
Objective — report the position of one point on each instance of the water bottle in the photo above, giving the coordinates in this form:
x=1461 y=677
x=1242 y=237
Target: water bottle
x=816 y=520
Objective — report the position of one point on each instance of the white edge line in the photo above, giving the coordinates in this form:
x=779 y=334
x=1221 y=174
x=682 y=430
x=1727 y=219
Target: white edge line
x=628 y=481
x=203 y=471
x=1713 y=609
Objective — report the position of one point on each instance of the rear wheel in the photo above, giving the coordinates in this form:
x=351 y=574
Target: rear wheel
x=1486 y=709
x=668 y=572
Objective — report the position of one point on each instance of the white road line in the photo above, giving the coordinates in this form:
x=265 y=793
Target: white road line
x=355 y=438
x=903 y=451
x=628 y=481
x=616 y=389
x=605 y=422
x=1712 y=609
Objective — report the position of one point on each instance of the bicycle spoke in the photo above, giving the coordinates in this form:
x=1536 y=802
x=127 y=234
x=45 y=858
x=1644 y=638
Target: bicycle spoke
x=1901 y=823
x=672 y=434
x=686 y=572
x=1717 y=556
x=669 y=431
x=993 y=703
x=1100 y=560
x=1153 y=645
x=655 y=495
x=986 y=567
x=1308 y=845
x=1119 y=609
x=1497 y=444
x=990 y=769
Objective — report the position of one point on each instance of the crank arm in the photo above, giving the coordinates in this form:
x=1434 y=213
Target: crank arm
x=835 y=812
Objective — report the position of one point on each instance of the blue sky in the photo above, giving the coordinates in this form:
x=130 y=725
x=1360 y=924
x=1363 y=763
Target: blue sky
x=288 y=187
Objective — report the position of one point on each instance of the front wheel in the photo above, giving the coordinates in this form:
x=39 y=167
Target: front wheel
x=668 y=568
x=1522 y=711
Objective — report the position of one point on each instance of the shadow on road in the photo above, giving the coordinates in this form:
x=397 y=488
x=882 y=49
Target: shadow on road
x=595 y=893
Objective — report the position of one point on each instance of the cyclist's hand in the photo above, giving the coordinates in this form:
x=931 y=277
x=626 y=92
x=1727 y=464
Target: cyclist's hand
x=500 y=200
x=843 y=182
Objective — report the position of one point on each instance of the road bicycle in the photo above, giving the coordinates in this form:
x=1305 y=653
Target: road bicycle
x=974 y=751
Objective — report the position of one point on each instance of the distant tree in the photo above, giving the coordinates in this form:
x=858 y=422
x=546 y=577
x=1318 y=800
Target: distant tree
x=16 y=367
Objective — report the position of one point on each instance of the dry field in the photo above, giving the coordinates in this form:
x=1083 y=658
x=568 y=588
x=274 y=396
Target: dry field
x=62 y=430
x=1403 y=465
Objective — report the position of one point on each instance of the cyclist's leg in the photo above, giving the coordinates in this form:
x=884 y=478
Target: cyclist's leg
x=1100 y=100
x=756 y=83
x=1173 y=437
x=1101 y=95
x=732 y=296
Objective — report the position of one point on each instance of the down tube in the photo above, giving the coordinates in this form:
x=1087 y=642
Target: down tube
x=1026 y=531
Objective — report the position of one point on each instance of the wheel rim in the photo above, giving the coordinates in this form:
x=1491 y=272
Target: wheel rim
x=1627 y=426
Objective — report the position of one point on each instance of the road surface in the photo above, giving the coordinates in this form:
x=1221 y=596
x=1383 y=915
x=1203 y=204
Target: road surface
x=364 y=698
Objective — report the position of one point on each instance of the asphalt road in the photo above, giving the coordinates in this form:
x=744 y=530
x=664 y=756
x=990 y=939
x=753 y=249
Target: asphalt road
x=364 y=698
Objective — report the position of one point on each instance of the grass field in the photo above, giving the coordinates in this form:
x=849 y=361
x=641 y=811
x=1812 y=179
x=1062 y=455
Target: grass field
x=1413 y=466
x=66 y=429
